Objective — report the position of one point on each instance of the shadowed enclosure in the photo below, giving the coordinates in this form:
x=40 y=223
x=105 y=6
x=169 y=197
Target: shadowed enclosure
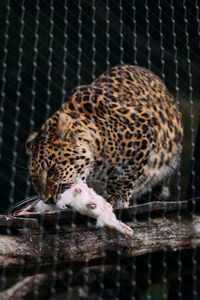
x=47 y=49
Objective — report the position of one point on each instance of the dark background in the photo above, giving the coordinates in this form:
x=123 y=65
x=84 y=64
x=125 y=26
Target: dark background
x=50 y=47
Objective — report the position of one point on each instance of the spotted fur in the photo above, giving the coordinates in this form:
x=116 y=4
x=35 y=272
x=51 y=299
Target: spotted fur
x=125 y=128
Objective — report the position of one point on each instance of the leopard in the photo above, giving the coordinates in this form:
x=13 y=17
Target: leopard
x=124 y=130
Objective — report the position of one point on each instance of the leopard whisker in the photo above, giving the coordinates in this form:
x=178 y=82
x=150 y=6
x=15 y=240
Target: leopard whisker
x=28 y=200
x=18 y=165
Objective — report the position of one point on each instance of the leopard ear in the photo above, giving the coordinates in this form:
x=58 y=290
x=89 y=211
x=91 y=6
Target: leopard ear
x=29 y=142
x=64 y=124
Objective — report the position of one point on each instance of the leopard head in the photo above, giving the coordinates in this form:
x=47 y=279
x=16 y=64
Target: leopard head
x=58 y=154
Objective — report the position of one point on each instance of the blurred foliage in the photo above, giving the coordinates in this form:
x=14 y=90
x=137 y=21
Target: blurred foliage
x=156 y=292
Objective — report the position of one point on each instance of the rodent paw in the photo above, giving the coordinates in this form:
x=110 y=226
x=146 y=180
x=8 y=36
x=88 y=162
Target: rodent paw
x=125 y=229
x=78 y=191
x=92 y=205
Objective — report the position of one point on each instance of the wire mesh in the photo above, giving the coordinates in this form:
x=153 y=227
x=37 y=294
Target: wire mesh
x=50 y=49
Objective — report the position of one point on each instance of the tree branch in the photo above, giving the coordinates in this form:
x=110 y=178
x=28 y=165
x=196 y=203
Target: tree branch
x=81 y=244
x=24 y=287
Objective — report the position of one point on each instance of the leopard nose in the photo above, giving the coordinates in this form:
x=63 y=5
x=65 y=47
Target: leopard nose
x=50 y=201
x=44 y=197
x=50 y=192
x=55 y=198
x=45 y=194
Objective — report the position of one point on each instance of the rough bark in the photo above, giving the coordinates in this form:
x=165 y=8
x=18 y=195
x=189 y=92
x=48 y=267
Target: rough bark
x=82 y=244
x=68 y=216
x=39 y=244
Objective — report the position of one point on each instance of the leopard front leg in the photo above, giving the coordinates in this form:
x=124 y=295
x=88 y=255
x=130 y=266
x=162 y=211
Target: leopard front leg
x=118 y=193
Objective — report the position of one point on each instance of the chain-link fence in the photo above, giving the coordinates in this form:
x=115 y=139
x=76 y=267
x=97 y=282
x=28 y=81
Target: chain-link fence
x=48 y=48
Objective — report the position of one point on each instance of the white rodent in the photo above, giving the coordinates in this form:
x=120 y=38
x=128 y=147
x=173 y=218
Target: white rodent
x=87 y=202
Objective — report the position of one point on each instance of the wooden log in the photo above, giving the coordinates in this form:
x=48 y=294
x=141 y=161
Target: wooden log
x=81 y=245
x=70 y=216
x=13 y=222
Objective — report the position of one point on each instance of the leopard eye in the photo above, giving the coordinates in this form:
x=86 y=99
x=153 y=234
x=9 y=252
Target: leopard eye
x=51 y=171
x=64 y=187
x=35 y=182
